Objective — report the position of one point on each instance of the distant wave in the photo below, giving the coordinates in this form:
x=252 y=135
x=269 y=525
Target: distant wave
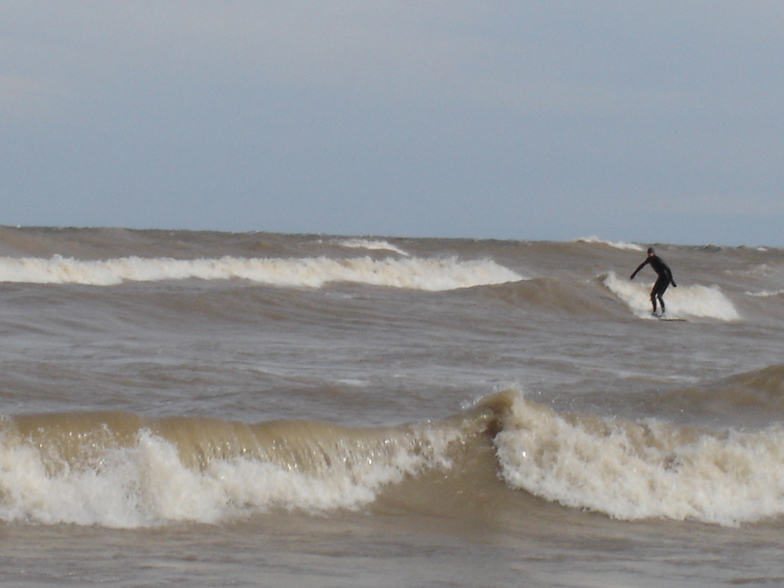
x=413 y=273
x=123 y=470
x=617 y=244
x=371 y=244
x=766 y=293
x=684 y=301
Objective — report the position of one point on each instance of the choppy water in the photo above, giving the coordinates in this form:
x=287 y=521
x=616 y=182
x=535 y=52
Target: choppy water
x=261 y=409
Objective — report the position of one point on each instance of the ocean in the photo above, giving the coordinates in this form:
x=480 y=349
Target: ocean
x=257 y=409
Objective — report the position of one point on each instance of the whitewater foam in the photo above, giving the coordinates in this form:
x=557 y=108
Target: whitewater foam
x=413 y=273
x=650 y=469
x=684 y=301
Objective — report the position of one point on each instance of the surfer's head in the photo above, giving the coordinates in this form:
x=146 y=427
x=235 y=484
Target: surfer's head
x=651 y=251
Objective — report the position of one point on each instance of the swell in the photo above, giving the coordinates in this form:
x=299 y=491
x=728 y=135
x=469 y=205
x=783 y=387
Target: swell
x=758 y=395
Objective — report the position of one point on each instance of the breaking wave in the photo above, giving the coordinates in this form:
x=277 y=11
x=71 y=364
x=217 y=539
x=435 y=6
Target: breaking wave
x=414 y=273
x=635 y=470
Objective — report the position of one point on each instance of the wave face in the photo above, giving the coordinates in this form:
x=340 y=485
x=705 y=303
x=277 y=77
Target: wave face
x=418 y=274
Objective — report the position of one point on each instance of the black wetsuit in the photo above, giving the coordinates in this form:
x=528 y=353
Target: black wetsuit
x=664 y=280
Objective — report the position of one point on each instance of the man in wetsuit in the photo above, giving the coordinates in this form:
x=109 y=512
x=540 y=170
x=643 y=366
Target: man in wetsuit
x=664 y=280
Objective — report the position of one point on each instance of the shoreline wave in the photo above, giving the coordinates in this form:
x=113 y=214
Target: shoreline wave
x=123 y=470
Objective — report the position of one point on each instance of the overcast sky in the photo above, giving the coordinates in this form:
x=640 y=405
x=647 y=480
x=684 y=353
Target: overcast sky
x=629 y=120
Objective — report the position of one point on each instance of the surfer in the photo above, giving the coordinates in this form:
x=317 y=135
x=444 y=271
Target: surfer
x=663 y=281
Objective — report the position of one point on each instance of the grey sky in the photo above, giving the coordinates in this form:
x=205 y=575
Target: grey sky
x=640 y=121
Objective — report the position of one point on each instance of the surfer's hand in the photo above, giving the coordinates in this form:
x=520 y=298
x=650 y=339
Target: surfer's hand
x=674 y=285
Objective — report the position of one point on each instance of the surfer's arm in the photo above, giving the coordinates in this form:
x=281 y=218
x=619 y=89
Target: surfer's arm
x=642 y=265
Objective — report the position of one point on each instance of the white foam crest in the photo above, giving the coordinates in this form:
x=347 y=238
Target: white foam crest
x=643 y=470
x=148 y=485
x=371 y=244
x=766 y=293
x=684 y=301
x=414 y=273
x=616 y=244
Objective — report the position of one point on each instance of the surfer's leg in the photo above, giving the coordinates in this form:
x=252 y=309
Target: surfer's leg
x=658 y=292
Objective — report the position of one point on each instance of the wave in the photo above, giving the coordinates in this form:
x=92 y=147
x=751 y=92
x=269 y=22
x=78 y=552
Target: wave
x=683 y=301
x=123 y=470
x=413 y=273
